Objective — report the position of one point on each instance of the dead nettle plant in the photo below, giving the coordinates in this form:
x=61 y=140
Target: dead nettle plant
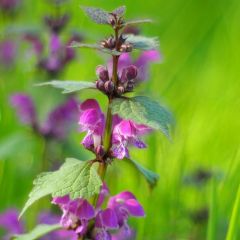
x=78 y=187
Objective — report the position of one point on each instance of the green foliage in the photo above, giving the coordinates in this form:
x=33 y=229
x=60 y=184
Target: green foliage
x=143 y=110
x=74 y=178
x=234 y=220
x=135 y=22
x=141 y=42
x=97 y=15
x=38 y=232
x=149 y=175
x=95 y=47
x=69 y=86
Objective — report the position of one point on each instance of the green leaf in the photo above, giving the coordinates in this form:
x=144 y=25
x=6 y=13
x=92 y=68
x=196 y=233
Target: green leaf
x=120 y=11
x=74 y=178
x=141 y=42
x=38 y=232
x=143 y=110
x=94 y=46
x=69 y=86
x=234 y=219
x=98 y=15
x=149 y=175
x=139 y=21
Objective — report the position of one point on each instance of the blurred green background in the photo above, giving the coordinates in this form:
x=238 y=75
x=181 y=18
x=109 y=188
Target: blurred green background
x=198 y=79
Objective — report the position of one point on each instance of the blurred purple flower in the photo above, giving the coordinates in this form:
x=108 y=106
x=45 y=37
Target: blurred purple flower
x=141 y=63
x=10 y=223
x=25 y=108
x=9 y=5
x=58 y=122
x=56 y=24
x=125 y=132
x=8 y=52
x=59 y=54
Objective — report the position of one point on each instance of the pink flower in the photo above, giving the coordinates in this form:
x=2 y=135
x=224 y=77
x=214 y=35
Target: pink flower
x=125 y=132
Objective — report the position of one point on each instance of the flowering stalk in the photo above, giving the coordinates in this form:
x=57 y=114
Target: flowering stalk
x=108 y=137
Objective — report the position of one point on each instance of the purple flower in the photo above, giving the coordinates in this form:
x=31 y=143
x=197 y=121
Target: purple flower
x=25 y=108
x=126 y=133
x=91 y=121
x=9 y=222
x=109 y=223
x=62 y=234
x=8 y=51
x=76 y=213
x=125 y=204
x=59 y=54
x=58 y=122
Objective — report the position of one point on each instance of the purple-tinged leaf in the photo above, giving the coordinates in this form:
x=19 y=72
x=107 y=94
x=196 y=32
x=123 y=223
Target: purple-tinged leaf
x=98 y=15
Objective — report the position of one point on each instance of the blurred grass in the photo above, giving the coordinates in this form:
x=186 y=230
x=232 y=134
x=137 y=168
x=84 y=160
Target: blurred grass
x=198 y=79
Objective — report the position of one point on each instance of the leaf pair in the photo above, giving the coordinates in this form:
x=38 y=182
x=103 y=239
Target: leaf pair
x=100 y=16
x=75 y=178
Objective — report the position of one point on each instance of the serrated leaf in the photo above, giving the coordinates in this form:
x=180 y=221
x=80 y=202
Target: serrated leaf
x=149 y=175
x=120 y=11
x=74 y=178
x=141 y=42
x=38 y=232
x=98 y=15
x=94 y=46
x=69 y=86
x=143 y=110
x=139 y=21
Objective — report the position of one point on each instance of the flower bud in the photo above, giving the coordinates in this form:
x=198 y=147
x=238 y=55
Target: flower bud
x=129 y=87
x=102 y=73
x=112 y=21
x=100 y=150
x=109 y=86
x=126 y=47
x=100 y=85
x=131 y=72
x=120 y=90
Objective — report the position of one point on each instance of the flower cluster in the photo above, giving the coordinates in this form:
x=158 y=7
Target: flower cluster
x=97 y=222
x=125 y=132
x=57 y=124
x=59 y=54
x=130 y=73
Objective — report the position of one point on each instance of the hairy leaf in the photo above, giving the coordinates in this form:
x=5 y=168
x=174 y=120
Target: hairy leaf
x=149 y=175
x=69 y=86
x=98 y=15
x=38 y=232
x=134 y=22
x=142 y=43
x=94 y=46
x=74 y=178
x=143 y=110
x=120 y=11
